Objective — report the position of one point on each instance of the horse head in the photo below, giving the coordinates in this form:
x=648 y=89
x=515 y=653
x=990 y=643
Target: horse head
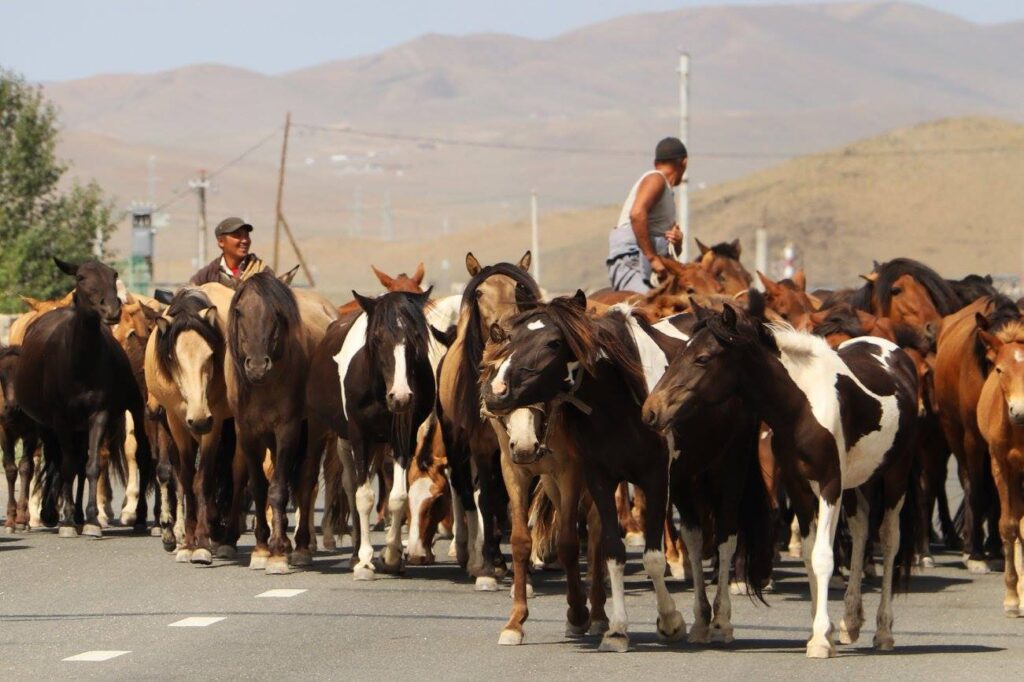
x=264 y=317
x=1005 y=351
x=723 y=262
x=402 y=281
x=95 y=288
x=789 y=300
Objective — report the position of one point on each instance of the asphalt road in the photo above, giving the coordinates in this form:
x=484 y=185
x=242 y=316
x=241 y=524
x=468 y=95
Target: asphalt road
x=60 y=598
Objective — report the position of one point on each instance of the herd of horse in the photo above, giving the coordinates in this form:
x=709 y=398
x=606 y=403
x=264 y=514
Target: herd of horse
x=707 y=419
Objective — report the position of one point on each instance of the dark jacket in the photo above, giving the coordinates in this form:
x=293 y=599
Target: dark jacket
x=211 y=272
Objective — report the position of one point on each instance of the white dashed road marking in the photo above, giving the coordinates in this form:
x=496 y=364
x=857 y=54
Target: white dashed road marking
x=280 y=593
x=96 y=656
x=196 y=622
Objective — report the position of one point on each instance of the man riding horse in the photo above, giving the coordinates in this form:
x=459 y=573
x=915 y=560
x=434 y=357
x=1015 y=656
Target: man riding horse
x=235 y=262
x=647 y=223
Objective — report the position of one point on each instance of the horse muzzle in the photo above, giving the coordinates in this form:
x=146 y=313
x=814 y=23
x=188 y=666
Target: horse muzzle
x=256 y=370
x=399 y=404
x=526 y=453
x=200 y=426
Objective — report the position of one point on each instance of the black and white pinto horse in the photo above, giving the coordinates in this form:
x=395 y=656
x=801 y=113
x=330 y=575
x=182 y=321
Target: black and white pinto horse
x=373 y=384
x=843 y=422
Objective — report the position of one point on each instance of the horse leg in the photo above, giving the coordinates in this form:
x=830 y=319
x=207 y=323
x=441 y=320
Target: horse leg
x=1008 y=485
x=853 y=619
x=69 y=455
x=391 y=556
x=494 y=566
x=458 y=548
x=236 y=512
x=517 y=481
x=165 y=487
x=255 y=451
x=348 y=485
x=26 y=472
x=976 y=456
x=131 y=488
x=467 y=522
x=822 y=562
x=35 y=493
x=104 y=492
x=693 y=538
x=624 y=511
x=188 y=511
x=288 y=440
x=671 y=626
x=569 y=485
x=11 y=471
x=205 y=492
x=889 y=534
x=595 y=569
x=616 y=639
x=365 y=504
x=638 y=514
x=305 y=496
x=331 y=522
x=97 y=432
x=675 y=552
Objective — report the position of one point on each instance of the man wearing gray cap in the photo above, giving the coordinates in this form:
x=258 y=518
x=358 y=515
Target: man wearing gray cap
x=647 y=223
x=235 y=262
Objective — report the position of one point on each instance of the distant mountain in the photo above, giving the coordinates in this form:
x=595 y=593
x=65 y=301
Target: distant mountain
x=767 y=83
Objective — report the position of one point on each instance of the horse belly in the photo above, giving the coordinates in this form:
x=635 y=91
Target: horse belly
x=868 y=454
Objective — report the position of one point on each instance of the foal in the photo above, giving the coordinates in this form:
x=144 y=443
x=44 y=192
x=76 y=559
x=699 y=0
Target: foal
x=843 y=420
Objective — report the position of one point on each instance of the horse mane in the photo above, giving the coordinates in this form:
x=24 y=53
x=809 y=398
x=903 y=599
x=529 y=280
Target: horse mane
x=467 y=388
x=841 y=319
x=1013 y=332
x=397 y=310
x=972 y=287
x=724 y=249
x=183 y=312
x=276 y=295
x=1003 y=320
x=942 y=294
x=908 y=337
x=9 y=351
x=798 y=345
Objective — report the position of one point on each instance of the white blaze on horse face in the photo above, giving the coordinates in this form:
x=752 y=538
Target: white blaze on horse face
x=522 y=431
x=498 y=385
x=535 y=325
x=195 y=366
x=400 y=390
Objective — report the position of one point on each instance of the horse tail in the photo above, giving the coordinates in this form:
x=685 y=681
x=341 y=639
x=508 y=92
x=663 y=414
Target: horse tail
x=544 y=522
x=910 y=526
x=51 y=481
x=755 y=542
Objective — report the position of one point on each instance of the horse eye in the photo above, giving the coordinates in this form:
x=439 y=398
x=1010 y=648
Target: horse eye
x=703 y=360
x=999 y=370
x=479 y=293
x=555 y=344
x=896 y=291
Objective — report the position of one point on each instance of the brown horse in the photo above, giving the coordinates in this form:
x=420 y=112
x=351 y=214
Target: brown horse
x=961 y=367
x=723 y=262
x=789 y=300
x=15 y=426
x=401 y=282
x=1001 y=422
x=80 y=405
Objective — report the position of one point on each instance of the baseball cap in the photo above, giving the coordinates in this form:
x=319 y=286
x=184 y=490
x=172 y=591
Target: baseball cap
x=229 y=225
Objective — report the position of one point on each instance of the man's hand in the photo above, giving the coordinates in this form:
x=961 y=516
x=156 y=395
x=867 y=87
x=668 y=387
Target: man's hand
x=657 y=266
x=675 y=235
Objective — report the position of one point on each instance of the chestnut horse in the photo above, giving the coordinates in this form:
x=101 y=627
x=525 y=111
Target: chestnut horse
x=723 y=262
x=15 y=426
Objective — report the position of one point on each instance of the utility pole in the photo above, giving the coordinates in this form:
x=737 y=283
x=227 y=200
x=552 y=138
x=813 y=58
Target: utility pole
x=535 y=236
x=683 y=209
x=280 y=191
x=200 y=186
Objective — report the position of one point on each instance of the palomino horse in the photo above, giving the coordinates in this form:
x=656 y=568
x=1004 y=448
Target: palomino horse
x=270 y=343
x=472 y=447
x=373 y=385
x=581 y=377
x=81 y=404
x=15 y=426
x=845 y=419
x=1001 y=421
x=185 y=375
x=723 y=262
x=961 y=366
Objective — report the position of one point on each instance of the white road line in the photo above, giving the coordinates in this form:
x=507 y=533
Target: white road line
x=279 y=593
x=196 y=622
x=96 y=656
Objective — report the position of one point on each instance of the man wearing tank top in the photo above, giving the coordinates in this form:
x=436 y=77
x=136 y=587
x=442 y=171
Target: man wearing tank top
x=647 y=223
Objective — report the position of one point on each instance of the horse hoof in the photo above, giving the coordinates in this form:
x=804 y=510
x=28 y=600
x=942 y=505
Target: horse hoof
x=699 y=635
x=885 y=643
x=329 y=543
x=202 y=556
x=226 y=552
x=671 y=627
x=978 y=567
x=301 y=557
x=598 y=627
x=364 y=573
x=92 y=530
x=20 y=526
x=278 y=565
x=169 y=545
x=576 y=630
x=510 y=638
x=8 y=530
x=419 y=560
x=486 y=583
x=721 y=635
x=634 y=539
x=258 y=562
x=820 y=650
x=1011 y=610
x=739 y=589
x=837 y=582
x=128 y=518
x=614 y=642
x=183 y=556
x=927 y=562
x=391 y=568
x=677 y=570
x=795 y=551
x=156 y=531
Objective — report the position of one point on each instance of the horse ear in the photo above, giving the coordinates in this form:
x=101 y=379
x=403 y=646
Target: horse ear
x=524 y=262
x=498 y=334
x=472 y=264
x=800 y=280
x=755 y=305
x=992 y=344
x=729 y=317
x=871 y=277
x=981 y=321
x=669 y=345
x=366 y=303
x=210 y=315
x=162 y=323
x=445 y=338
x=32 y=303
x=736 y=245
x=385 y=280
x=424 y=297
x=702 y=246
x=769 y=285
x=289 y=276
x=418 y=275
x=163 y=296
x=525 y=300
x=580 y=299
x=66 y=267
x=700 y=311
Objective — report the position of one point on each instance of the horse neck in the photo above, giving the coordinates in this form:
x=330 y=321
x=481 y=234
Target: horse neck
x=87 y=336
x=771 y=390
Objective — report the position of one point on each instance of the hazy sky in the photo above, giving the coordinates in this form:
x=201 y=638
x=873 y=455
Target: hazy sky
x=61 y=39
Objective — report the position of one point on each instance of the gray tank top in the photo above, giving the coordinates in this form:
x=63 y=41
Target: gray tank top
x=662 y=215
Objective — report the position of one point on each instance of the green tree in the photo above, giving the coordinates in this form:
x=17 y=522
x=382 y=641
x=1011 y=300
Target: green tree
x=37 y=219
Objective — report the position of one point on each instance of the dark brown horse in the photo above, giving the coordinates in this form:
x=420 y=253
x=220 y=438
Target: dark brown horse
x=74 y=380
x=15 y=426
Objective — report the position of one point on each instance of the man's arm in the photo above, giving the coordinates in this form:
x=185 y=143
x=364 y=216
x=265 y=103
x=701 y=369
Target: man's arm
x=647 y=194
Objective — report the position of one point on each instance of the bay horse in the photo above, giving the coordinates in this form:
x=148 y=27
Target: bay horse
x=961 y=367
x=788 y=298
x=723 y=262
x=400 y=282
x=15 y=426
x=1001 y=421
x=372 y=384
x=582 y=378
x=75 y=381
x=184 y=368
x=491 y=296
x=269 y=346
x=843 y=419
